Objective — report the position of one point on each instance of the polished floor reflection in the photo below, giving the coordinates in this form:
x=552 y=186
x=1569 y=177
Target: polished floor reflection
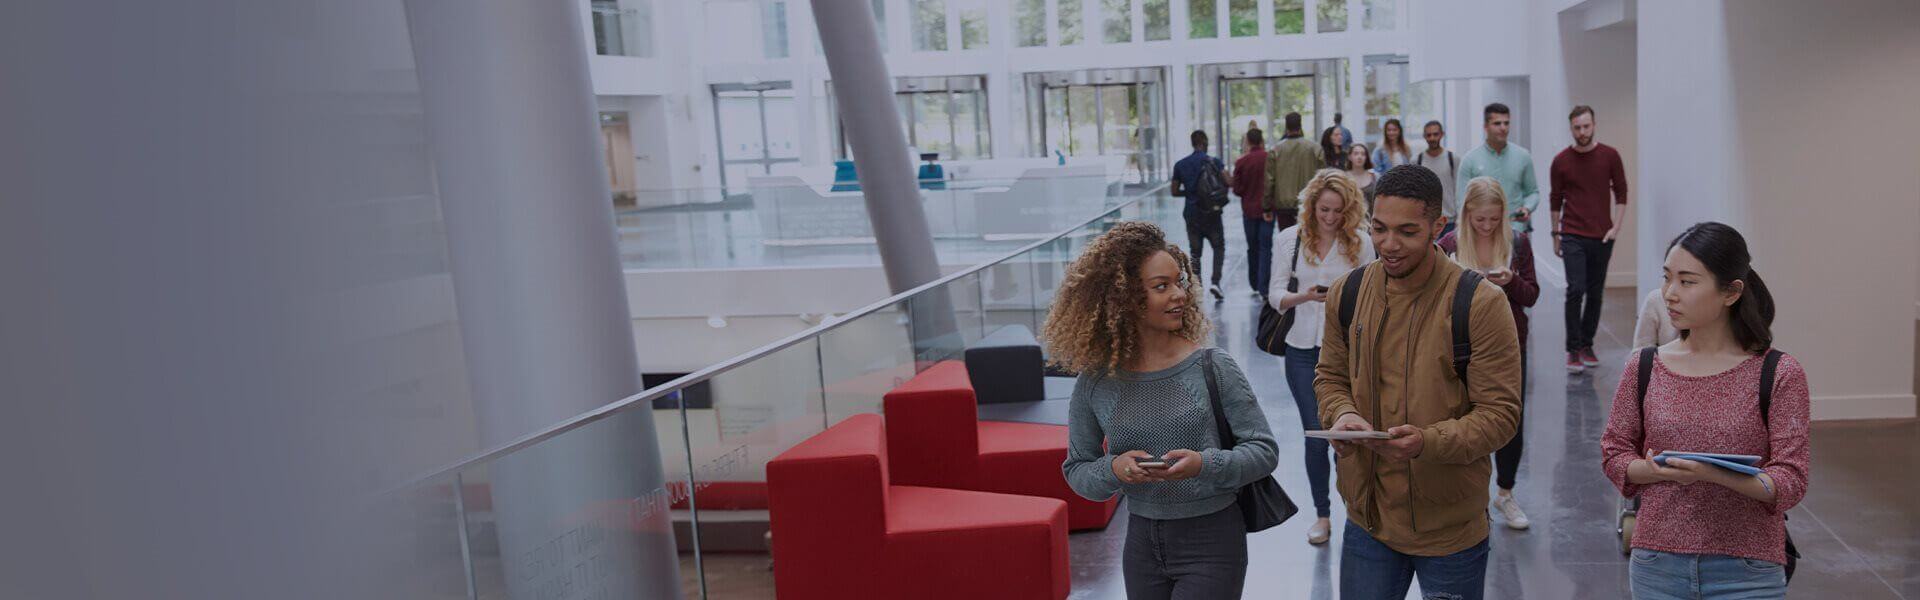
x=1859 y=526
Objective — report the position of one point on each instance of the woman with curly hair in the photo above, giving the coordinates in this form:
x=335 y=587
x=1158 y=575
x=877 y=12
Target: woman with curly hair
x=1324 y=245
x=1124 y=319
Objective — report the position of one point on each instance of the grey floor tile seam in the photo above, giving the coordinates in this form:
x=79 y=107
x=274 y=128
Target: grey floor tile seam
x=1856 y=553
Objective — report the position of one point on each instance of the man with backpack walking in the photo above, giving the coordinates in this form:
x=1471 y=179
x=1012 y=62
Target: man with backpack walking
x=1202 y=180
x=1416 y=500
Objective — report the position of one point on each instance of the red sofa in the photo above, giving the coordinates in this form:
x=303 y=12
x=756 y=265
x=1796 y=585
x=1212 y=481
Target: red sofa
x=842 y=529
x=936 y=440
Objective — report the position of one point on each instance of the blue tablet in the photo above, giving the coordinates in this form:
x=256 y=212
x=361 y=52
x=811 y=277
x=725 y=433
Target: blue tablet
x=1745 y=459
x=1711 y=460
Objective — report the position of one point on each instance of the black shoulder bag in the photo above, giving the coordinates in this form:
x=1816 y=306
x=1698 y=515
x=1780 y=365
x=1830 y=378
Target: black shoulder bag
x=1767 y=368
x=1271 y=335
x=1262 y=503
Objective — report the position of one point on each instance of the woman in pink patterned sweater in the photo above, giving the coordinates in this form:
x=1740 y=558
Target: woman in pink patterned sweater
x=1703 y=531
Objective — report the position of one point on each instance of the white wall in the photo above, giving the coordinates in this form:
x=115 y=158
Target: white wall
x=1467 y=39
x=1759 y=83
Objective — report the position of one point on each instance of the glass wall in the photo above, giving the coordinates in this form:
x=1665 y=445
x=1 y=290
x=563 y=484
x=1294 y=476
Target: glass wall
x=973 y=24
x=1333 y=15
x=944 y=115
x=1203 y=19
x=755 y=127
x=1070 y=20
x=929 y=25
x=1118 y=18
x=1243 y=18
x=1104 y=112
x=622 y=27
x=1289 y=16
x=1030 y=22
x=773 y=28
x=1381 y=15
x=1159 y=19
x=1386 y=80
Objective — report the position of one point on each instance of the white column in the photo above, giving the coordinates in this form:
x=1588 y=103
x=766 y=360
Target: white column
x=543 y=307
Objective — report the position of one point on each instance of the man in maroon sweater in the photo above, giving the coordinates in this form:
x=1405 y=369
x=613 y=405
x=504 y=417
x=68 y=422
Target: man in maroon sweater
x=1585 y=224
x=1250 y=184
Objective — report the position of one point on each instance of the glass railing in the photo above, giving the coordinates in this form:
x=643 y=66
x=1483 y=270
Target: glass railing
x=783 y=222
x=567 y=508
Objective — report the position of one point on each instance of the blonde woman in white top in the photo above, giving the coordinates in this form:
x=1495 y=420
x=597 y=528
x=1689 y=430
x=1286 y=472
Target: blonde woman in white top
x=1330 y=242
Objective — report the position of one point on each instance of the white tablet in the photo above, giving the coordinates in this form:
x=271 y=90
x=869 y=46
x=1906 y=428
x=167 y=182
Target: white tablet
x=1349 y=435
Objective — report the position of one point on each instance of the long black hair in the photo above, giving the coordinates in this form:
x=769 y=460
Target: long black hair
x=1331 y=151
x=1724 y=251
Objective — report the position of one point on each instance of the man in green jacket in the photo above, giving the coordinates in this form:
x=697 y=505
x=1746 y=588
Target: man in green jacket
x=1290 y=164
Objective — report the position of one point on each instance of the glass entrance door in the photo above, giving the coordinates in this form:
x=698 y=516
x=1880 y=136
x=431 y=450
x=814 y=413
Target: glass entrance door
x=1265 y=101
x=755 y=126
x=1105 y=120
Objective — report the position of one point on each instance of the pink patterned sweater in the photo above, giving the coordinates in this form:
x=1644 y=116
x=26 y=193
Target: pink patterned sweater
x=1717 y=414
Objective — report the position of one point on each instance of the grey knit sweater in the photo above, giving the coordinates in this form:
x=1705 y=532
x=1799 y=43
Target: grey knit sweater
x=1162 y=411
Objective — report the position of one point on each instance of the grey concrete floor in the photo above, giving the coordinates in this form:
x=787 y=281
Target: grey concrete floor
x=1859 y=527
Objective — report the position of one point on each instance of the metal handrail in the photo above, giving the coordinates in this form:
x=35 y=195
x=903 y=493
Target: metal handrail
x=648 y=395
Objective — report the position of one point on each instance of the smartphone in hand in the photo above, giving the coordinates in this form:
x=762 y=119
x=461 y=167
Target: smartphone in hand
x=1158 y=463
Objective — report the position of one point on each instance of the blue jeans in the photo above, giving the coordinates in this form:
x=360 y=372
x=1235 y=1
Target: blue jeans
x=1369 y=570
x=1667 y=576
x=1299 y=369
x=1259 y=251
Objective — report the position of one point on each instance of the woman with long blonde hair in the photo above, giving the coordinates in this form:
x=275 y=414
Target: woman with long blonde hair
x=1486 y=242
x=1141 y=420
x=1307 y=257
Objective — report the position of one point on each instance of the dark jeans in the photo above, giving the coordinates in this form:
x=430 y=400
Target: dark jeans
x=1299 y=369
x=1369 y=570
x=1586 y=259
x=1198 y=558
x=1506 y=460
x=1213 y=230
x=1259 y=251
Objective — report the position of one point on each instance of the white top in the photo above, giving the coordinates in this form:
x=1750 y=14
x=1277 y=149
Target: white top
x=1309 y=317
x=1443 y=166
x=1654 y=327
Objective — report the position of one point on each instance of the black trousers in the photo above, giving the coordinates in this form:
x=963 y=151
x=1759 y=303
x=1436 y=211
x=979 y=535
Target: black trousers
x=1506 y=460
x=1586 y=260
x=1210 y=228
x=1197 y=558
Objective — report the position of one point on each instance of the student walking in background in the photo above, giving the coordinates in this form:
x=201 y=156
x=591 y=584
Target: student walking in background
x=1329 y=242
x=1443 y=163
x=1485 y=243
x=1507 y=163
x=1704 y=531
x=1250 y=184
x=1360 y=168
x=1589 y=202
x=1393 y=150
x=1202 y=180
x=1141 y=419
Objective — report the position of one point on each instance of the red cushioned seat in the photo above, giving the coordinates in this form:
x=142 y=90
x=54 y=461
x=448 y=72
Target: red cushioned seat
x=935 y=439
x=842 y=529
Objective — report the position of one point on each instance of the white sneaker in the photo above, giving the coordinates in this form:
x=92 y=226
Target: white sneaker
x=1217 y=295
x=1510 y=508
x=1320 y=532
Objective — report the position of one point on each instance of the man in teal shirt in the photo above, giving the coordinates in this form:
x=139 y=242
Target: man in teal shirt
x=1508 y=163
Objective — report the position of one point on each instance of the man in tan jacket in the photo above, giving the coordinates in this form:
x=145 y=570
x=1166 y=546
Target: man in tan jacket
x=1290 y=165
x=1416 y=503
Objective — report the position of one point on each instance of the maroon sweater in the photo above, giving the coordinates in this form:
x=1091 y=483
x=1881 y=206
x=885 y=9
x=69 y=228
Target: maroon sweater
x=1581 y=182
x=1523 y=290
x=1250 y=182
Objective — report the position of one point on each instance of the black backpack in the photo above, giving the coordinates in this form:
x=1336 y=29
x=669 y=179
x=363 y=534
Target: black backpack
x=1462 y=309
x=1210 y=188
x=1767 y=368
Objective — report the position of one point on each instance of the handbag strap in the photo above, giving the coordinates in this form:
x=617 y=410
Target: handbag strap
x=1227 y=441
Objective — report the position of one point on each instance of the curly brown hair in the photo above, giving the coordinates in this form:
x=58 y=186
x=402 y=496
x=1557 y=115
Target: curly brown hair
x=1095 y=315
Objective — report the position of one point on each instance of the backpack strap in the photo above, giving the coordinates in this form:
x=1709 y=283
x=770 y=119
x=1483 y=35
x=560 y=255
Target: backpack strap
x=1350 y=294
x=1767 y=368
x=1462 y=310
x=1645 y=376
